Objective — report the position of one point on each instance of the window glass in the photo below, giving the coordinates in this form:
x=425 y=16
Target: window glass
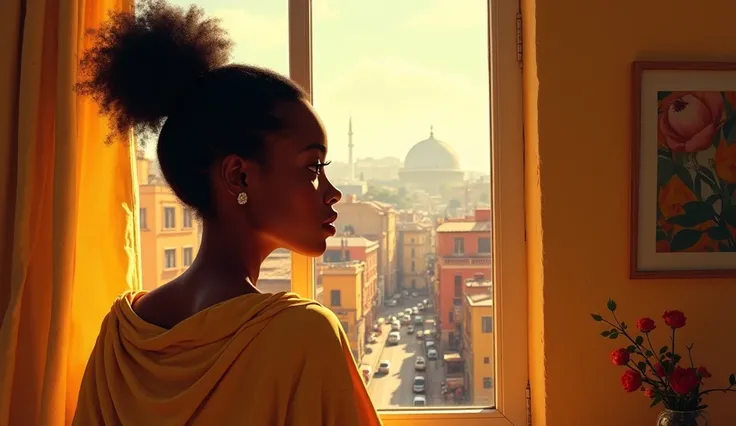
x=402 y=88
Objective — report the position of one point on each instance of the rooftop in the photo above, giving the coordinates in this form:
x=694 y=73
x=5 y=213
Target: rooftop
x=464 y=226
x=350 y=241
x=483 y=299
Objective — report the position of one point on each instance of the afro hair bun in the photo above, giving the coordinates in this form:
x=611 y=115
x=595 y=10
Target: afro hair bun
x=143 y=64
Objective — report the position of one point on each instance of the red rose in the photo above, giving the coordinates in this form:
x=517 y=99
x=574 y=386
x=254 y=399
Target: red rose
x=649 y=392
x=704 y=373
x=674 y=319
x=684 y=380
x=631 y=380
x=645 y=325
x=620 y=357
x=659 y=369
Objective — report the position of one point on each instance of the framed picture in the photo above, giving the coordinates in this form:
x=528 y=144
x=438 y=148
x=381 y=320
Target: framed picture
x=683 y=170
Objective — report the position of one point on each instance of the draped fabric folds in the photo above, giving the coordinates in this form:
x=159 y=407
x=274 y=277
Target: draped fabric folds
x=68 y=209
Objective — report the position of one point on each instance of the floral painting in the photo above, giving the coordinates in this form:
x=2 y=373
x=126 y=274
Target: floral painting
x=696 y=171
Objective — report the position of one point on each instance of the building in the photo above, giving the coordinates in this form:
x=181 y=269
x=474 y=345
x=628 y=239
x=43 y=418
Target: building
x=170 y=233
x=342 y=286
x=477 y=347
x=350 y=248
x=377 y=222
x=414 y=252
x=463 y=250
x=431 y=165
x=275 y=273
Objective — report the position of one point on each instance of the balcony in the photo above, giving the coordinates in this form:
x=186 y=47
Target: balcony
x=465 y=261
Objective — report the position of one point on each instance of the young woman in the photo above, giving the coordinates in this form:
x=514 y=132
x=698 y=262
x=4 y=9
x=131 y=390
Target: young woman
x=242 y=147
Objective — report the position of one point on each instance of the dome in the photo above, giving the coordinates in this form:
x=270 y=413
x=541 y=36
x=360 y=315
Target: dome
x=431 y=154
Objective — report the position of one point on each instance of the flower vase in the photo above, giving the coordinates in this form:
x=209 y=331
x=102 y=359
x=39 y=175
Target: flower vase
x=682 y=418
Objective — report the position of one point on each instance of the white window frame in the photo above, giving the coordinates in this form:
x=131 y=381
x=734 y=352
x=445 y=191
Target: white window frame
x=163 y=221
x=507 y=239
x=184 y=258
x=169 y=268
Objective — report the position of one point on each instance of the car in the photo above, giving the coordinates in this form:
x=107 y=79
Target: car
x=414 y=294
x=405 y=293
x=406 y=319
x=420 y=334
x=393 y=338
x=384 y=367
x=410 y=329
x=392 y=318
x=392 y=302
x=420 y=306
x=395 y=326
x=418 y=386
x=420 y=401
x=425 y=301
x=429 y=343
x=414 y=310
x=373 y=338
x=420 y=364
x=418 y=320
x=407 y=311
x=432 y=353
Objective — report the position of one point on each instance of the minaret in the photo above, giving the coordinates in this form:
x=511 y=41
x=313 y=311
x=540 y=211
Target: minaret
x=350 y=149
x=431 y=131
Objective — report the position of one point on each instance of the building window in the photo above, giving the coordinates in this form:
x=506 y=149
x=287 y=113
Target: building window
x=486 y=324
x=335 y=298
x=187 y=218
x=486 y=360
x=487 y=382
x=412 y=241
x=412 y=252
x=457 y=301
x=451 y=317
x=458 y=286
x=169 y=218
x=459 y=246
x=144 y=221
x=187 y=255
x=344 y=326
x=169 y=258
x=412 y=266
x=484 y=245
x=413 y=283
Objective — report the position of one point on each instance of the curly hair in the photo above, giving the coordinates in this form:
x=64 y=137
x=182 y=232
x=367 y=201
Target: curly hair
x=164 y=69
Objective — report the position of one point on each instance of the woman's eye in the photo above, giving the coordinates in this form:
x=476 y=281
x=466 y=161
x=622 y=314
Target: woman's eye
x=318 y=167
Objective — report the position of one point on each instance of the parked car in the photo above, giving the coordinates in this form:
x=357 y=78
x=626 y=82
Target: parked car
x=414 y=310
x=410 y=329
x=407 y=311
x=372 y=338
x=420 y=334
x=393 y=338
x=392 y=302
x=384 y=367
x=418 y=320
x=420 y=364
x=406 y=319
x=420 y=306
x=432 y=353
x=395 y=326
x=418 y=386
x=420 y=401
x=414 y=294
x=428 y=343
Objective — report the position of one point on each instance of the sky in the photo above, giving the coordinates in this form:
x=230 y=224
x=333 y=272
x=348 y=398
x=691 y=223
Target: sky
x=396 y=66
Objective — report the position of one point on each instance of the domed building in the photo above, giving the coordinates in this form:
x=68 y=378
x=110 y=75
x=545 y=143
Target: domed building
x=430 y=165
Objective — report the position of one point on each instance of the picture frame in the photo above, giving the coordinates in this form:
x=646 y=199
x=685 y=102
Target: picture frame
x=683 y=170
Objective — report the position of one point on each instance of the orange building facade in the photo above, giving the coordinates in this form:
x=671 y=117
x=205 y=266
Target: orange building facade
x=463 y=253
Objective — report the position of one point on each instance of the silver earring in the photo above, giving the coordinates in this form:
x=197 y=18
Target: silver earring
x=242 y=198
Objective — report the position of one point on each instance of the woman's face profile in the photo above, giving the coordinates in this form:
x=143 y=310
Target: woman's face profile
x=290 y=199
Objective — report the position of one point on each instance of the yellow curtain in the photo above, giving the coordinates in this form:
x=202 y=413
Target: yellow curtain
x=68 y=210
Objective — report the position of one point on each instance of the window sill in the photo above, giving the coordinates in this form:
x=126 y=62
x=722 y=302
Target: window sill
x=431 y=417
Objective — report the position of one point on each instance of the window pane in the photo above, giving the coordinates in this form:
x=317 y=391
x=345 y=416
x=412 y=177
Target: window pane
x=402 y=88
x=259 y=29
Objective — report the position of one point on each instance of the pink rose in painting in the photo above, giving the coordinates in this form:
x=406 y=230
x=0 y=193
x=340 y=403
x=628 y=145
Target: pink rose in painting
x=689 y=120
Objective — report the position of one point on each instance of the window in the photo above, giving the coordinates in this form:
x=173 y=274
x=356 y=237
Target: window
x=187 y=255
x=169 y=217
x=486 y=360
x=412 y=252
x=142 y=214
x=169 y=258
x=484 y=245
x=413 y=283
x=187 y=218
x=458 y=287
x=487 y=324
x=335 y=298
x=412 y=266
x=459 y=246
x=383 y=79
x=487 y=382
x=451 y=317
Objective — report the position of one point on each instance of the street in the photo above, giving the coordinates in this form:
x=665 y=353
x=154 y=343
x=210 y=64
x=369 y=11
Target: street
x=394 y=389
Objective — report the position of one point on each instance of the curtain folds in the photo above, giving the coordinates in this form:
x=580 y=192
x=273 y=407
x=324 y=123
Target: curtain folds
x=68 y=215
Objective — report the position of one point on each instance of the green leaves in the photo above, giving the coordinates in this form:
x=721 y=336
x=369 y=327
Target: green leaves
x=613 y=335
x=631 y=349
x=596 y=317
x=611 y=305
x=732 y=380
x=663 y=350
x=639 y=340
x=641 y=365
x=657 y=399
x=685 y=239
x=605 y=333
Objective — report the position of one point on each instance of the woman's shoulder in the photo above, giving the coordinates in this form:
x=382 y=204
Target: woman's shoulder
x=311 y=316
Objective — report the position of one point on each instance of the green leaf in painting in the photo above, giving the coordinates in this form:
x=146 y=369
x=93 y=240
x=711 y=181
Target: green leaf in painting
x=613 y=335
x=685 y=239
x=699 y=211
x=665 y=153
x=655 y=401
x=665 y=170
x=661 y=235
x=719 y=233
x=639 y=340
x=662 y=94
x=698 y=186
x=631 y=349
x=611 y=305
x=605 y=333
x=724 y=247
x=683 y=173
x=712 y=198
x=648 y=353
x=596 y=317
x=641 y=365
x=708 y=175
x=732 y=380
x=684 y=220
x=663 y=350
x=729 y=129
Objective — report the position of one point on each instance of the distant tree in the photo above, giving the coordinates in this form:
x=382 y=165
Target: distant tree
x=453 y=204
x=484 y=198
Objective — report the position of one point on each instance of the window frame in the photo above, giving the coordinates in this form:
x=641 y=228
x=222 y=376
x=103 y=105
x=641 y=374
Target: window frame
x=184 y=257
x=165 y=217
x=170 y=268
x=187 y=213
x=508 y=240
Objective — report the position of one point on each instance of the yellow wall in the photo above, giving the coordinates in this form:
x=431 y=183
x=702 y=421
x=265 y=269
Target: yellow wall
x=422 y=246
x=154 y=239
x=479 y=346
x=348 y=280
x=577 y=85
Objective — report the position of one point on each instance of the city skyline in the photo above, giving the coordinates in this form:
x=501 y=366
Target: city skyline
x=425 y=66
